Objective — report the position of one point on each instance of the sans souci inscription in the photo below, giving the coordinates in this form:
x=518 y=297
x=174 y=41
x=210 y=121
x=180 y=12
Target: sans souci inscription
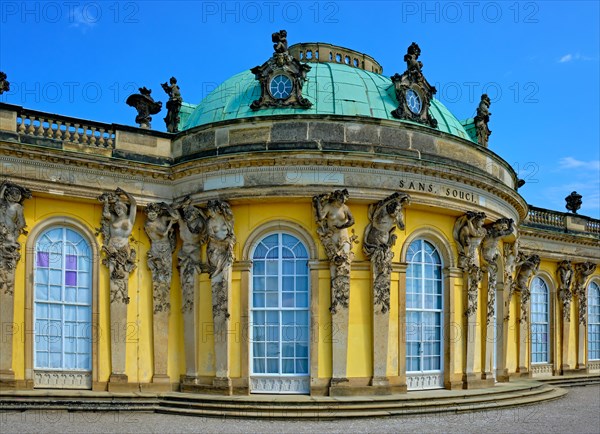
x=439 y=190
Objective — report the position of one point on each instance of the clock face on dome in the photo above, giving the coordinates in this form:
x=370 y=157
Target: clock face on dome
x=281 y=86
x=413 y=101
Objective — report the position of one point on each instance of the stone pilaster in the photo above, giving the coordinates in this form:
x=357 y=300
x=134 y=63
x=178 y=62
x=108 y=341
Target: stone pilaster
x=118 y=338
x=7 y=375
x=401 y=268
x=523 y=367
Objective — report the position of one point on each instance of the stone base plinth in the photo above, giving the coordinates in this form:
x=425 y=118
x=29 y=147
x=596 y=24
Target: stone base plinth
x=118 y=383
x=473 y=381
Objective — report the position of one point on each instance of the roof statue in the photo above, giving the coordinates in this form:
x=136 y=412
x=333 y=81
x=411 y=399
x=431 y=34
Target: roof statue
x=481 y=121
x=145 y=106
x=413 y=91
x=574 y=202
x=4 y=83
x=281 y=78
x=173 y=105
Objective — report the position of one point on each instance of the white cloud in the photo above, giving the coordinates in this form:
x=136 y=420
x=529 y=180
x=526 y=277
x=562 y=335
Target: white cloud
x=82 y=19
x=566 y=58
x=573 y=57
x=573 y=163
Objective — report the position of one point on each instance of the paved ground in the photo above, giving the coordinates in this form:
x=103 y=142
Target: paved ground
x=578 y=412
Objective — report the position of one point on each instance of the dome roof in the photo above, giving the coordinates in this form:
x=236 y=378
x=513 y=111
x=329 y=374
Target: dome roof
x=332 y=88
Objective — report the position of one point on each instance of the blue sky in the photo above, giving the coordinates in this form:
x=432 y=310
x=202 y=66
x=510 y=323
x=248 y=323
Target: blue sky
x=538 y=61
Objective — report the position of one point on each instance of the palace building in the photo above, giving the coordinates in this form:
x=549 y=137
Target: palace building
x=311 y=227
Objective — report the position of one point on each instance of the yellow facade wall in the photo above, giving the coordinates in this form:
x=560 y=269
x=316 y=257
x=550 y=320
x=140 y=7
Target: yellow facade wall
x=248 y=218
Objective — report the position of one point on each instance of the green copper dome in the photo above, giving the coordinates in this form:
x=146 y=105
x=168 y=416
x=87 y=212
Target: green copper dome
x=333 y=89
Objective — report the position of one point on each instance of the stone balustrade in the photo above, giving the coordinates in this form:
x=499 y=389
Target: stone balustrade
x=77 y=131
x=546 y=217
x=561 y=221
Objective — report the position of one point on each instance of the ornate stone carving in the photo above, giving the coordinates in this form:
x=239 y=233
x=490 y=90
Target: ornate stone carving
x=12 y=225
x=482 y=119
x=527 y=266
x=468 y=234
x=160 y=218
x=116 y=227
x=565 y=277
x=192 y=231
x=173 y=105
x=574 y=202
x=219 y=223
x=582 y=271
x=145 y=106
x=379 y=238
x=4 y=83
x=333 y=219
x=281 y=78
x=413 y=91
x=511 y=255
x=490 y=254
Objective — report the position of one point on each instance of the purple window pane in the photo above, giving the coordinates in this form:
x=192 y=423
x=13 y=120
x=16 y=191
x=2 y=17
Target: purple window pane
x=71 y=262
x=43 y=259
x=71 y=278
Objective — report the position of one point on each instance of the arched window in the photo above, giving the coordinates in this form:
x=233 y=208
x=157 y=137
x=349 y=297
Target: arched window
x=540 y=321
x=62 y=309
x=424 y=316
x=279 y=351
x=593 y=321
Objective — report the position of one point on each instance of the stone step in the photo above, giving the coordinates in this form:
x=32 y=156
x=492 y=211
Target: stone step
x=549 y=394
x=380 y=404
x=285 y=406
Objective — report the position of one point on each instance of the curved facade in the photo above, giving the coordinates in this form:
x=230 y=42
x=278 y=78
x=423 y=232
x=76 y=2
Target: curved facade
x=330 y=246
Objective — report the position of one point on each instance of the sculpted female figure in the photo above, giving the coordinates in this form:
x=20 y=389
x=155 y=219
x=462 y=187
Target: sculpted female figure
x=117 y=225
x=384 y=216
x=192 y=231
x=159 y=228
x=12 y=225
x=333 y=219
x=219 y=251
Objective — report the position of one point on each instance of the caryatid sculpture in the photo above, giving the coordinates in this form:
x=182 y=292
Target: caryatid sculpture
x=379 y=238
x=527 y=266
x=12 y=225
x=333 y=219
x=468 y=234
x=219 y=251
x=511 y=254
x=490 y=254
x=160 y=219
x=565 y=277
x=117 y=224
x=582 y=271
x=192 y=231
